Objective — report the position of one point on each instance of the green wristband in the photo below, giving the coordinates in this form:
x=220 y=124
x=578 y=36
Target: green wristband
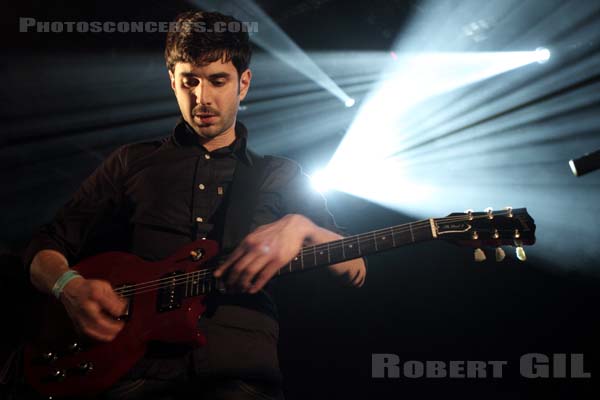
x=63 y=280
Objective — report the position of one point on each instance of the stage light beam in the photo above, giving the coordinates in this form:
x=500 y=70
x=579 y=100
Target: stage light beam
x=276 y=42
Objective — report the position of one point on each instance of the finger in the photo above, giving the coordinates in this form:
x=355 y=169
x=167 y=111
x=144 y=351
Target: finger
x=237 y=253
x=95 y=315
x=250 y=273
x=240 y=267
x=95 y=322
x=264 y=276
x=112 y=304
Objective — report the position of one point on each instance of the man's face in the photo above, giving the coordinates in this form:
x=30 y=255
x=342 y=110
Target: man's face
x=209 y=95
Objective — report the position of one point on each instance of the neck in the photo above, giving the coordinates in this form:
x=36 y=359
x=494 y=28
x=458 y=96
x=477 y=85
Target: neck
x=223 y=140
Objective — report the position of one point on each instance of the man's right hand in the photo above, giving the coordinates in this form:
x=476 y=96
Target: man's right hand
x=93 y=307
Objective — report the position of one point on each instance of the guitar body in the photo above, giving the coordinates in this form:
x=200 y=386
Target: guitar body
x=60 y=362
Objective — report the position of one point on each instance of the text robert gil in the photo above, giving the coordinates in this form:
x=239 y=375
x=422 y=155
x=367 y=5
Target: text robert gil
x=531 y=365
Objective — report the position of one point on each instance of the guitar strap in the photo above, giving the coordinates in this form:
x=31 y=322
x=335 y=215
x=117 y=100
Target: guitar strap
x=243 y=199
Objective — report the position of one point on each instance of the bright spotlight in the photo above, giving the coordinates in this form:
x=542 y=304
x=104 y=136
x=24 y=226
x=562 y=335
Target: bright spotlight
x=321 y=181
x=542 y=54
x=349 y=102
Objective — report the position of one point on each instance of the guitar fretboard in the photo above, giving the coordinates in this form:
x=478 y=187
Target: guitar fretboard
x=202 y=282
x=356 y=246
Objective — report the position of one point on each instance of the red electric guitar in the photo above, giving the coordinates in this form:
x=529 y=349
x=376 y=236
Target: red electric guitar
x=164 y=296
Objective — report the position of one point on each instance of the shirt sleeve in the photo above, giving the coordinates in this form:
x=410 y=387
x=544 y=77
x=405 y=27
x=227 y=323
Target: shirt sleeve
x=84 y=217
x=297 y=196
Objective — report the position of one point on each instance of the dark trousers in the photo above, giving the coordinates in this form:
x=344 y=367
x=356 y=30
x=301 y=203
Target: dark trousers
x=222 y=389
x=153 y=389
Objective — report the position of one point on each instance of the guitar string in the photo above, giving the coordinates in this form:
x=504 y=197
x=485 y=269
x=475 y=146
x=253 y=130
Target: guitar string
x=310 y=250
x=208 y=271
x=200 y=274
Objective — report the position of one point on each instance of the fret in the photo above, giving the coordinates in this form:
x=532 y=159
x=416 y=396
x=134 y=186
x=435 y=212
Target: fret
x=336 y=251
x=351 y=247
x=203 y=285
x=296 y=263
x=187 y=279
x=375 y=240
x=412 y=235
x=368 y=243
x=322 y=255
x=384 y=239
x=401 y=235
x=422 y=232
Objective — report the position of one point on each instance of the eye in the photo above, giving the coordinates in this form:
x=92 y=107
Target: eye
x=190 y=82
x=219 y=82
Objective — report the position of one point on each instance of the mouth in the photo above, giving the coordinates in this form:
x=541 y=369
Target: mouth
x=206 y=118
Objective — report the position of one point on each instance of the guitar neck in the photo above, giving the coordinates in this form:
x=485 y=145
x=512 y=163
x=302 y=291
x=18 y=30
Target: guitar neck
x=513 y=227
x=356 y=246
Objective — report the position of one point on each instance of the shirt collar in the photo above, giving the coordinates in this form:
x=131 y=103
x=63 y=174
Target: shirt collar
x=184 y=136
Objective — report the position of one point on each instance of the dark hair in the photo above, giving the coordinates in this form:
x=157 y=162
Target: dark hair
x=194 y=42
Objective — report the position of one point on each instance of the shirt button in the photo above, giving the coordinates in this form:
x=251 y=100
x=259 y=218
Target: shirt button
x=199 y=219
x=207 y=156
x=201 y=186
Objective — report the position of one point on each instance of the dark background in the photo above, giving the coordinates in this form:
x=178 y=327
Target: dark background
x=61 y=115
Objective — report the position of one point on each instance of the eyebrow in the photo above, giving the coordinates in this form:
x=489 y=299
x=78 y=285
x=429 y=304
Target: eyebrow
x=217 y=75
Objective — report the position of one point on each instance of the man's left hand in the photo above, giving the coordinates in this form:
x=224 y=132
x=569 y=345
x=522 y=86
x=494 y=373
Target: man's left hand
x=263 y=252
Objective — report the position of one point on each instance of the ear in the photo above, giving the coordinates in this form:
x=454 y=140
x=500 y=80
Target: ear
x=245 y=83
x=172 y=79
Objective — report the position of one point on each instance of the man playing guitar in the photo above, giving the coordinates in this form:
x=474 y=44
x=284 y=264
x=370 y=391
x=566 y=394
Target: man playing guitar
x=151 y=198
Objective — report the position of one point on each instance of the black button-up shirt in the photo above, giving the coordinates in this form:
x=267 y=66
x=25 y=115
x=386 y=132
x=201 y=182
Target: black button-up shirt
x=153 y=197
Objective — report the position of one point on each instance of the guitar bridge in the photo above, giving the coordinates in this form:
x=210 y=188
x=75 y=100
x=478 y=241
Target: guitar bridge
x=129 y=299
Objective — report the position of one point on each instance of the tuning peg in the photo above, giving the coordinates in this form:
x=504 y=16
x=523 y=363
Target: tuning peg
x=521 y=253
x=490 y=212
x=479 y=255
x=500 y=254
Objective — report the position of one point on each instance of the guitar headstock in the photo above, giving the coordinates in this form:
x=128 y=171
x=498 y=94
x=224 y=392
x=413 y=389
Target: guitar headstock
x=508 y=227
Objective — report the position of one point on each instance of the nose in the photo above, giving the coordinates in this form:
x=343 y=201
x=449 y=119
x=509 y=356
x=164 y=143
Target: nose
x=202 y=93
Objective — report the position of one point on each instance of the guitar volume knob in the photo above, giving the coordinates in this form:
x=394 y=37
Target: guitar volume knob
x=86 y=367
x=74 y=347
x=49 y=357
x=59 y=374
